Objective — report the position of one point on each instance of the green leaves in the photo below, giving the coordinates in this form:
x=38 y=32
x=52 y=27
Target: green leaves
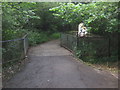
x=16 y=14
x=104 y=13
x=98 y=17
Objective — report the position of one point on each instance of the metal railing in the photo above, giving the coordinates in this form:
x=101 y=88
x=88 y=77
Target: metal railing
x=15 y=49
x=14 y=53
x=87 y=46
x=68 y=41
x=25 y=38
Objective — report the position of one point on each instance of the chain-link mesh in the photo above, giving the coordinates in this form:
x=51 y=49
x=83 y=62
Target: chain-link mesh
x=12 y=51
x=13 y=56
x=68 y=41
x=93 y=46
x=87 y=46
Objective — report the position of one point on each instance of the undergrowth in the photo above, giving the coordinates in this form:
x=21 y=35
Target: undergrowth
x=38 y=38
x=107 y=63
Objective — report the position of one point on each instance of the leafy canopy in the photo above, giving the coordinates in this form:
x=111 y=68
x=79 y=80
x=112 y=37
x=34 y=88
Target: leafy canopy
x=98 y=17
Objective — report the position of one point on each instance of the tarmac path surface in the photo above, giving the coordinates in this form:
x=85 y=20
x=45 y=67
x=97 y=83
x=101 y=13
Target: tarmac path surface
x=52 y=66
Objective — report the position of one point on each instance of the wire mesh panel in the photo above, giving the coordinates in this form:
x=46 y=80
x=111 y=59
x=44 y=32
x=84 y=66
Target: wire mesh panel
x=72 y=42
x=12 y=51
x=93 y=46
x=13 y=56
x=68 y=41
x=113 y=44
x=63 y=39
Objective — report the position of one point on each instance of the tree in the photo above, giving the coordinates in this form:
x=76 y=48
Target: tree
x=99 y=17
x=15 y=16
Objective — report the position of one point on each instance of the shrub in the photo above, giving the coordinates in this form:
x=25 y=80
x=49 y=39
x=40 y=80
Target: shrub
x=37 y=38
x=55 y=35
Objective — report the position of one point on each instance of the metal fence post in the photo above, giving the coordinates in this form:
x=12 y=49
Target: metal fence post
x=60 y=39
x=77 y=42
x=24 y=46
x=67 y=40
x=25 y=41
x=109 y=54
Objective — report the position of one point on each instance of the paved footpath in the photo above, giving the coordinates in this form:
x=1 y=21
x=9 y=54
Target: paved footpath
x=51 y=66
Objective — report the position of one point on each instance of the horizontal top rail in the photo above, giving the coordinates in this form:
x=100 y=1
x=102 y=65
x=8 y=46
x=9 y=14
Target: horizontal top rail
x=69 y=34
x=87 y=36
x=15 y=39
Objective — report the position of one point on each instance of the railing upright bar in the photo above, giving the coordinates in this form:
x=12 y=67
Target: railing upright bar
x=25 y=41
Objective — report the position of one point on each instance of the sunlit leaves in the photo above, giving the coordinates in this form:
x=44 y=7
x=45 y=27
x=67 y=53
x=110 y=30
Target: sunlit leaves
x=104 y=13
x=16 y=14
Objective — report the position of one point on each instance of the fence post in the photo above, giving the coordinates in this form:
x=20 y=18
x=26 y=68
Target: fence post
x=67 y=40
x=109 y=54
x=60 y=39
x=24 y=47
x=77 y=42
x=25 y=41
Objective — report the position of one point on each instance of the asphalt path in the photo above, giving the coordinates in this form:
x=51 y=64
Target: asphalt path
x=52 y=66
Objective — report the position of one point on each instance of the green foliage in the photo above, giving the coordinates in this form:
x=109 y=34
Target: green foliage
x=49 y=18
x=97 y=50
x=41 y=37
x=24 y=17
x=90 y=56
x=13 y=34
x=99 y=17
x=47 y=22
x=55 y=36
x=16 y=14
x=37 y=38
x=43 y=21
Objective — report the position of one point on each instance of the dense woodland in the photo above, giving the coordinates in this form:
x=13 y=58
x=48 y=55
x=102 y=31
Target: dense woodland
x=44 y=21
x=39 y=18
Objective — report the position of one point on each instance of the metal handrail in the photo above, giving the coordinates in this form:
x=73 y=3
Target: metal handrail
x=15 y=39
x=25 y=44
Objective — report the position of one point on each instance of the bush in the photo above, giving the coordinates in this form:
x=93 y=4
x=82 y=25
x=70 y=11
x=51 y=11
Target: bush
x=37 y=38
x=13 y=34
x=55 y=36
